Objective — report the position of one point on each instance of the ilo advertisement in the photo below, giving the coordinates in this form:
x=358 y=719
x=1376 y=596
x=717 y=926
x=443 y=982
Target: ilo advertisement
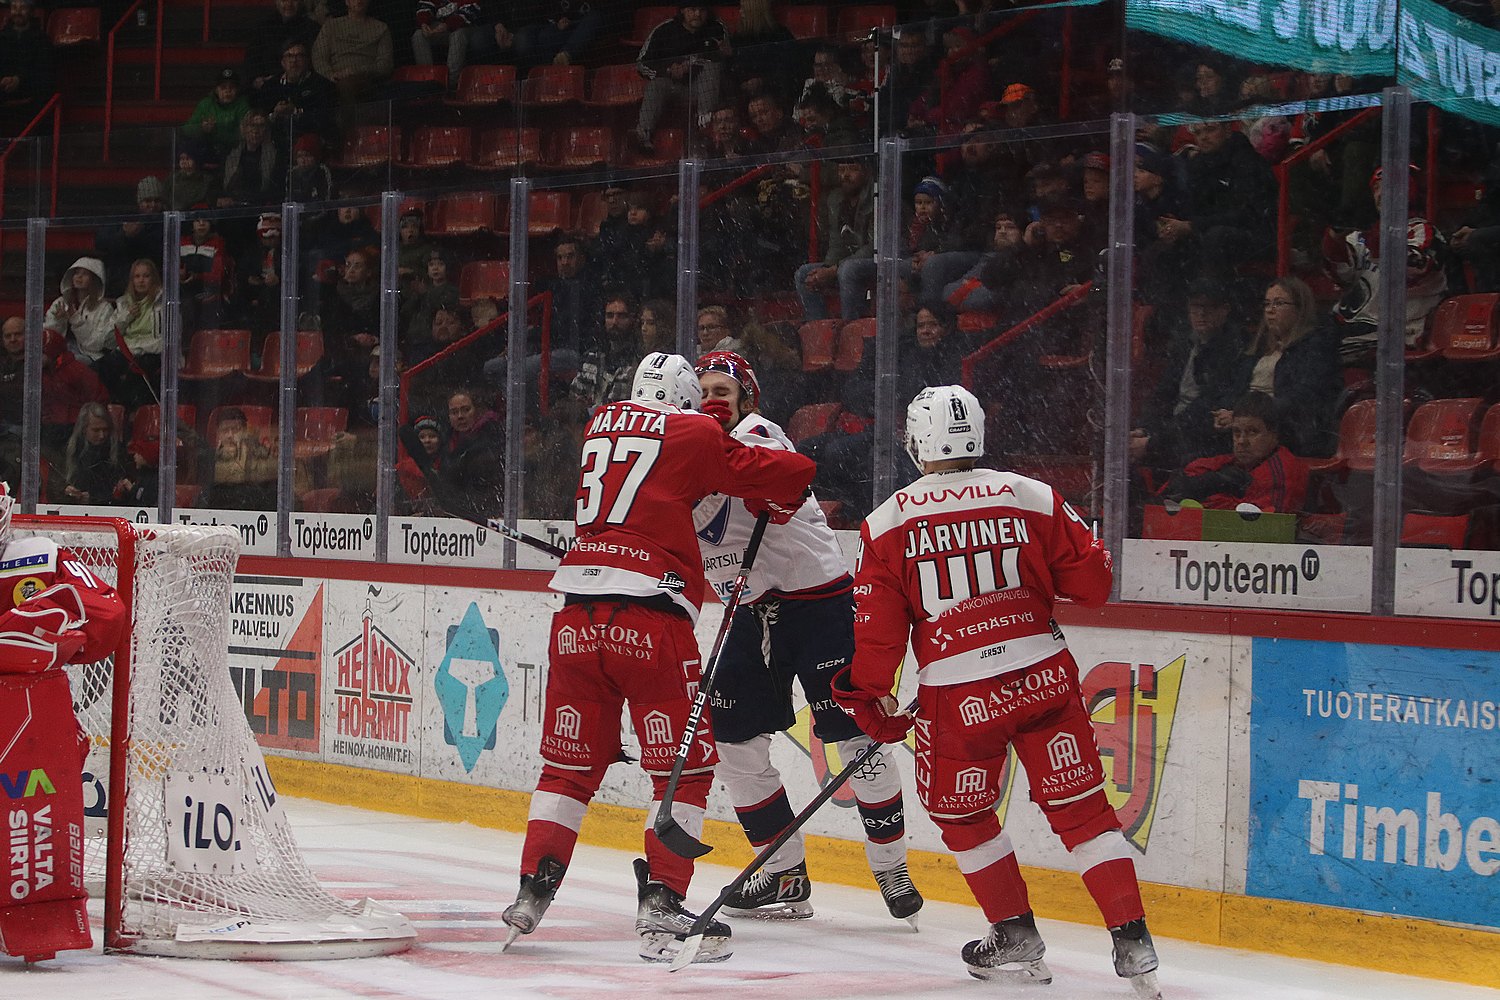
x=1371 y=779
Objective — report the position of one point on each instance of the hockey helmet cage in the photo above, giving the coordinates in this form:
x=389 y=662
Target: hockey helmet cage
x=7 y=503
x=667 y=378
x=736 y=367
x=944 y=422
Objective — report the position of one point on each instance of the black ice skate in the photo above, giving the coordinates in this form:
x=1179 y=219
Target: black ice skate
x=532 y=901
x=1012 y=950
x=769 y=895
x=1135 y=958
x=901 y=897
x=664 y=923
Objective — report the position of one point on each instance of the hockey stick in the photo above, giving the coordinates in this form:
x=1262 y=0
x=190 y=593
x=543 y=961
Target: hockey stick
x=668 y=830
x=496 y=525
x=694 y=940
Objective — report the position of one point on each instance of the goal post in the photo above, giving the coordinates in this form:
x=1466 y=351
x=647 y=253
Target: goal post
x=184 y=831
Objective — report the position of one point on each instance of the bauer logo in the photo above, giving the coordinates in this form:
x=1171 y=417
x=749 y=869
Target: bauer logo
x=471 y=687
x=1368 y=781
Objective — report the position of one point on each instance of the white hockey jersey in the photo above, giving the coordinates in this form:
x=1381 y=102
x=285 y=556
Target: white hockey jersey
x=801 y=555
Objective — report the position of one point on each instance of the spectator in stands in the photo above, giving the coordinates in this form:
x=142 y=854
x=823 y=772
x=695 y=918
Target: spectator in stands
x=67 y=384
x=559 y=32
x=715 y=332
x=432 y=293
x=829 y=79
x=1055 y=260
x=472 y=467
x=1214 y=93
x=931 y=354
x=1260 y=470
x=268 y=39
x=92 y=465
x=1477 y=241
x=975 y=197
x=963 y=84
x=347 y=230
x=242 y=465
x=764 y=55
x=351 y=315
x=25 y=67
x=141 y=483
x=848 y=234
x=634 y=250
x=726 y=139
x=1330 y=186
x=825 y=121
x=207 y=275
x=190 y=183
x=82 y=313
x=682 y=60
x=12 y=375
x=123 y=242
x=658 y=327
x=354 y=51
x=576 y=305
x=216 y=119
x=1231 y=200
x=421 y=450
x=254 y=171
x=907 y=82
x=132 y=370
x=444 y=25
x=1353 y=260
x=987 y=286
x=300 y=100
x=446 y=327
x=776 y=133
x=415 y=248
x=259 y=271
x=605 y=374
x=1294 y=360
x=310 y=179
x=1184 y=416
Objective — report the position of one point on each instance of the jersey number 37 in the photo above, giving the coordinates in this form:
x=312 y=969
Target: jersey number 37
x=612 y=474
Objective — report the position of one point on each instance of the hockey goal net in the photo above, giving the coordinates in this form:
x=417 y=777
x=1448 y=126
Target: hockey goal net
x=184 y=831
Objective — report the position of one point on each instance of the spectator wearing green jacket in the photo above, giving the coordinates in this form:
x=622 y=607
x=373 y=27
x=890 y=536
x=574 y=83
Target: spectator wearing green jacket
x=216 y=119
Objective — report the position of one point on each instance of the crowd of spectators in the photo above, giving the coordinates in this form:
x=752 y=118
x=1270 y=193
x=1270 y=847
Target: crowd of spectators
x=992 y=230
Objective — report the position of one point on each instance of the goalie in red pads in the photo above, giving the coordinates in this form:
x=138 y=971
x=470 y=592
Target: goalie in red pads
x=53 y=612
x=968 y=563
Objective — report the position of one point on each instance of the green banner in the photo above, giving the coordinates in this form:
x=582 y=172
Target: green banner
x=1443 y=58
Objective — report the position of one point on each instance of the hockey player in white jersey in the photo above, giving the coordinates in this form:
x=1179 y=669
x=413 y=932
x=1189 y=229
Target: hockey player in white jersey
x=800 y=625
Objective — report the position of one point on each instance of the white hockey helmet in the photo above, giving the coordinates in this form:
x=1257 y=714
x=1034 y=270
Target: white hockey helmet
x=667 y=378
x=7 y=502
x=944 y=422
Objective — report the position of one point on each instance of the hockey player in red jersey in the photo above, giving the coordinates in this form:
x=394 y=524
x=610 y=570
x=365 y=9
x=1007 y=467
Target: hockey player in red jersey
x=967 y=563
x=798 y=624
x=632 y=586
x=53 y=612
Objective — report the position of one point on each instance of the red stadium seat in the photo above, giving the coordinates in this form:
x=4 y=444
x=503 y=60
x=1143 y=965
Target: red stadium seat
x=616 y=87
x=1356 y=444
x=465 y=214
x=1434 y=530
x=437 y=147
x=805 y=22
x=730 y=16
x=368 y=146
x=851 y=344
x=582 y=147
x=436 y=74
x=507 y=149
x=261 y=419
x=73 y=26
x=1489 y=438
x=484 y=279
x=855 y=23
x=670 y=144
x=818 y=338
x=187 y=495
x=1441 y=437
x=812 y=419
x=553 y=86
x=484 y=86
x=591 y=212
x=309 y=353
x=145 y=425
x=1467 y=327
x=1183 y=524
x=647 y=18
x=215 y=354
x=314 y=429
x=548 y=213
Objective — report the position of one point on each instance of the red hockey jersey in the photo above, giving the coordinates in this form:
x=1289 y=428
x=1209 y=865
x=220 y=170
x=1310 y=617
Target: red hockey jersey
x=643 y=466
x=970 y=564
x=29 y=565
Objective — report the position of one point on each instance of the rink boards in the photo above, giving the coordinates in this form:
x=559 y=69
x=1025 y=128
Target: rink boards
x=1301 y=782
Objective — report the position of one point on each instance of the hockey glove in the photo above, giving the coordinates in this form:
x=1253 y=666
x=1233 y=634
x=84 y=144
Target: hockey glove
x=33 y=652
x=877 y=715
x=778 y=513
x=720 y=410
x=57 y=608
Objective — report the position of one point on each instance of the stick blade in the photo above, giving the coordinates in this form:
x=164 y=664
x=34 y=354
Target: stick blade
x=677 y=840
x=688 y=952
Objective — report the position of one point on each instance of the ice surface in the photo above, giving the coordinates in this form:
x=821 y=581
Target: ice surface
x=453 y=880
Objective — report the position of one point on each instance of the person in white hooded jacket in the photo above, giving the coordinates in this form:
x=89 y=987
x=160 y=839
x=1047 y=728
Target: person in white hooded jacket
x=82 y=313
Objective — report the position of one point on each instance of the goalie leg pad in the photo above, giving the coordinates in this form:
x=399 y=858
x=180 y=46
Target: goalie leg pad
x=42 y=907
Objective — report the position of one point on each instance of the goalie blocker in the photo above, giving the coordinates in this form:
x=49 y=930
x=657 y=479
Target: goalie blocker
x=52 y=612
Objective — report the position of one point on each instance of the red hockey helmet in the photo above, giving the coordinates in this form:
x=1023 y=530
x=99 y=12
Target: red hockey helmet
x=736 y=367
